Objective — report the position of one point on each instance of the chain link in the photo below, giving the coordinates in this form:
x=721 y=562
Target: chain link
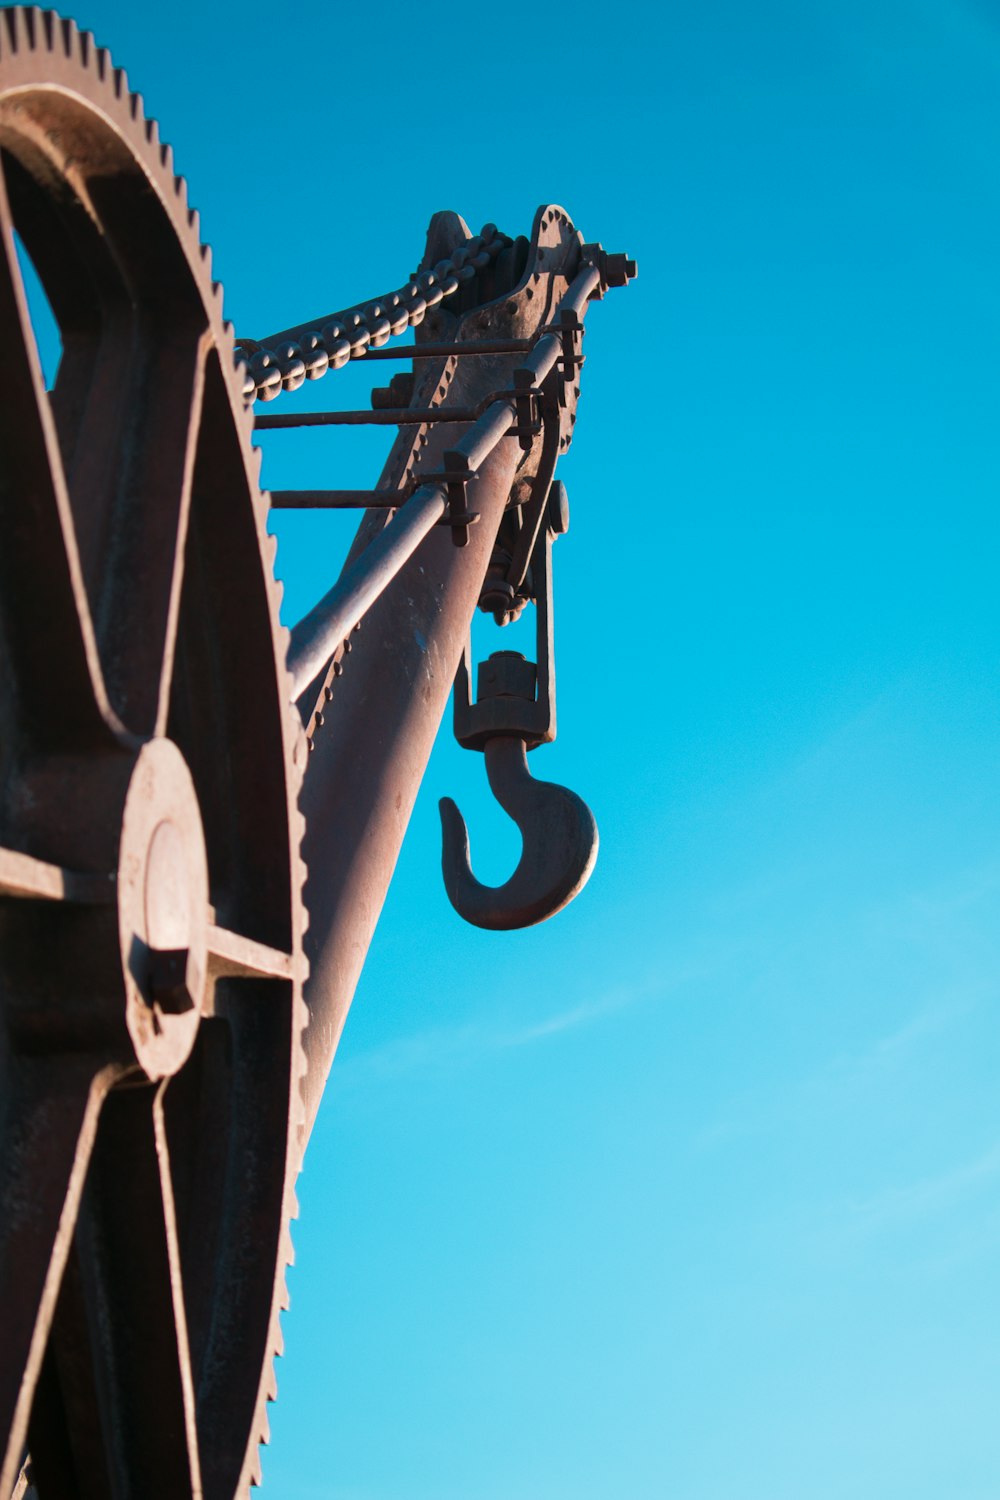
x=271 y=369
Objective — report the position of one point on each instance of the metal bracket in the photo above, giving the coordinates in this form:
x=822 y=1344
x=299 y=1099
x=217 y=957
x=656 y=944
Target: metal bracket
x=456 y=476
x=528 y=421
x=514 y=696
x=570 y=331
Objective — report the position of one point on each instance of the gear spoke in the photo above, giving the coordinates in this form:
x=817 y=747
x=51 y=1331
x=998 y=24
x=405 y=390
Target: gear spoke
x=25 y=878
x=230 y=955
x=138 y=628
x=51 y=1109
x=50 y=638
x=139 y=1370
x=222 y=1122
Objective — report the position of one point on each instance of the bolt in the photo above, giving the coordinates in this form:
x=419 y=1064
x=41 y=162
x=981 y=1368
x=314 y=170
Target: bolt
x=171 y=981
x=558 y=508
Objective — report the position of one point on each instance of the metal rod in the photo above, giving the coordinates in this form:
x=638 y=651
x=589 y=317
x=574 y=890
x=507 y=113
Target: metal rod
x=336 y=499
x=548 y=348
x=319 y=633
x=479 y=442
x=497 y=419
x=440 y=351
x=395 y=416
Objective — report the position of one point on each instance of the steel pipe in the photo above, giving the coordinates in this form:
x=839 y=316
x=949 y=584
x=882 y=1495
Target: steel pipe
x=320 y=632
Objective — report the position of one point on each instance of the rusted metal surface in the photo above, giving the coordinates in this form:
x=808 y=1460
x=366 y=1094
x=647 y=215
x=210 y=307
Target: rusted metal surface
x=150 y=877
x=282 y=361
x=168 y=1021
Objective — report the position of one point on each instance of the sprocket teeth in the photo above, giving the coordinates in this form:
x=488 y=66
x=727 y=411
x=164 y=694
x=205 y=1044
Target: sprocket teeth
x=18 y=31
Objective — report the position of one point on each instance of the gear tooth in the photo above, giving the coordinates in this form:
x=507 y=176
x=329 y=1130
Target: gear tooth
x=18 y=30
x=265 y=1435
x=11 y=22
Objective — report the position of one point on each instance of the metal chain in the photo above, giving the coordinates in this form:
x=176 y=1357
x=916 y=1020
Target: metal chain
x=271 y=369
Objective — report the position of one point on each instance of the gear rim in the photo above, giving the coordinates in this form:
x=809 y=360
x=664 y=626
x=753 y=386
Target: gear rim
x=41 y=51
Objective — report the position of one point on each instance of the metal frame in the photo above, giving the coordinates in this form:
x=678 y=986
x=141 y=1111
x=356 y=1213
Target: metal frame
x=169 y=1012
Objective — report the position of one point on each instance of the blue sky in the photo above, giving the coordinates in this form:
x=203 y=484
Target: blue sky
x=691 y=1194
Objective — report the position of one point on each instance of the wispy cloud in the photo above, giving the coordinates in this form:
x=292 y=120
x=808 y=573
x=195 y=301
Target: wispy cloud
x=900 y=1206
x=848 y=1071
x=450 y=1048
x=847 y=1076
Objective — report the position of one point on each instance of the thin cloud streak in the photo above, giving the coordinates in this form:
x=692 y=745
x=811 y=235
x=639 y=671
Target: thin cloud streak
x=900 y=1206
x=451 y=1048
x=832 y=1088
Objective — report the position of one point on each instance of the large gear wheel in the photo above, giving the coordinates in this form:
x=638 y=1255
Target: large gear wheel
x=151 y=919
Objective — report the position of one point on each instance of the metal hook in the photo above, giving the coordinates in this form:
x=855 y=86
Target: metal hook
x=560 y=845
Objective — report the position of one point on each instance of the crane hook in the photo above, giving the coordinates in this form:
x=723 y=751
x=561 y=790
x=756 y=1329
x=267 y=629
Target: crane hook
x=560 y=845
